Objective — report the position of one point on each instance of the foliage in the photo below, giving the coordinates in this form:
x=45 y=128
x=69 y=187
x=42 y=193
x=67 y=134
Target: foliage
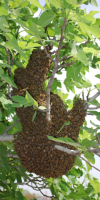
x=79 y=53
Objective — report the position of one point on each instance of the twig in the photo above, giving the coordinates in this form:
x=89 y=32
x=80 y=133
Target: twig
x=94 y=108
x=40 y=109
x=89 y=163
x=67 y=64
x=65 y=58
x=86 y=105
x=61 y=39
x=89 y=113
x=12 y=155
x=48 y=55
x=10 y=127
x=85 y=43
x=54 y=70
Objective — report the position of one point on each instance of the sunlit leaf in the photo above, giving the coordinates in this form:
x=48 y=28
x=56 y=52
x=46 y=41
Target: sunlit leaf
x=46 y=18
x=36 y=3
x=13 y=41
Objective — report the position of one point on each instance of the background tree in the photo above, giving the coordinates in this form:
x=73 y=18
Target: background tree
x=72 y=34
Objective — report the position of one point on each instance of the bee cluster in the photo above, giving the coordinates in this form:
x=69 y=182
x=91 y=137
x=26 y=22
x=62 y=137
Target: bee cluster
x=36 y=152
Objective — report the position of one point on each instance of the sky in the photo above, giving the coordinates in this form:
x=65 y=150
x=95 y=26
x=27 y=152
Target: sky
x=89 y=76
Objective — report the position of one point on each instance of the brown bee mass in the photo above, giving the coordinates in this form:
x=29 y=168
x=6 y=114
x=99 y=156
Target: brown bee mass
x=36 y=152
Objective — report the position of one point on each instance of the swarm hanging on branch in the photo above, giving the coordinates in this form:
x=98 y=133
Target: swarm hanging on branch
x=36 y=152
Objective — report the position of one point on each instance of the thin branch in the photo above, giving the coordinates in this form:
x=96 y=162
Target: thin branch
x=10 y=127
x=86 y=105
x=43 y=111
x=89 y=163
x=85 y=43
x=54 y=70
x=61 y=39
x=12 y=155
x=65 y=58
x=89 y=114
x=64 y=46
x=67 y=64
x=48 y=55
x=94 y=108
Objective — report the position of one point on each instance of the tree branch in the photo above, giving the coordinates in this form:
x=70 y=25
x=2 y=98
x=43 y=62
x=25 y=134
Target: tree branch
x=67 y=64
x=12 y=155
x=65 y=58
x=86 y=105
x=89 y=163
x=48 y=55
x=94 y=108
x=7 y=137
x=10 y=127
x=54 y=70
x=68 y=151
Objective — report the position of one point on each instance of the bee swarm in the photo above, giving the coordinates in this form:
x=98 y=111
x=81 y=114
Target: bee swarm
x=36 y=152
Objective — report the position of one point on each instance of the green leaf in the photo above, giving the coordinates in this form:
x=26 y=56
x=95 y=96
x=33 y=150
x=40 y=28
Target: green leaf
x=5 y=65
x=34 y=116
x=46 y=18
x=4 y=162
x=19 y=195
x=0 y=115
x=95 y=113
x=89 y=156
x=78 y=162
x=54 y=85
x=97 y=75
x=93 y=103
x=88 y=143
x=30 y=99
x=88 y=167
x=3 y=11
x=90 y=50
x=37 y=4
x=1 y=70
x=66 y=140
x=56 y=3
x=4 y=24
x=98 y=126
x=98 y=86
x=72 y=2
x=8 y=80
x=13 y=41
x=96 y=185
x=47 y=2
x=94 y=3
x=82 y=57
x=74 y=50
x=65 y=124
x=89 y=130
x=3 y=149
x=20 y=99
x=2 y=174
